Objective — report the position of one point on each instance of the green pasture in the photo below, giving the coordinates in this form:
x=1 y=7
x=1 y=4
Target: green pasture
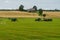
x=29 y=29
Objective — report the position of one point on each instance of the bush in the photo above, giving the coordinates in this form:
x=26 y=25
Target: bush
x=38 y=19
x=48 y=19
x=44 y=15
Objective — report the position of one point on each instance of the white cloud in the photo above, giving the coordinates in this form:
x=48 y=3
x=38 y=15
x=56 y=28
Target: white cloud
x=47 y=4
x=6 y=1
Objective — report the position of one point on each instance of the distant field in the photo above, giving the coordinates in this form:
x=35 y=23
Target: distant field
x=17 y=14
x=29 y=29
x=27 y=14
x=53 y=14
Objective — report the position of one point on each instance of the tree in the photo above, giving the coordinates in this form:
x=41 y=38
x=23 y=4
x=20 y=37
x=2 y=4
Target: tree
x=35 y=7
x=21 y=8
x=40 y=12
x=56 y=10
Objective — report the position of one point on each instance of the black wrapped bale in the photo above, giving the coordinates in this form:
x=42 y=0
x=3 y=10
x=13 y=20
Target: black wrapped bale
x=38 y=19
x=48 y=19
x=13 y=19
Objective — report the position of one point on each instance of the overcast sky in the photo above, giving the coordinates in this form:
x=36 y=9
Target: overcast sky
x=44 y=4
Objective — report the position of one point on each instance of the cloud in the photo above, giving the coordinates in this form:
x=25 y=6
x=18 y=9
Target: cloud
x=45 y=4
x=6 y=1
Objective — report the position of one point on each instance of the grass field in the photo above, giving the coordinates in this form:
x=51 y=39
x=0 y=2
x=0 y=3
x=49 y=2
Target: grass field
x=26 y=28
x=29 y=29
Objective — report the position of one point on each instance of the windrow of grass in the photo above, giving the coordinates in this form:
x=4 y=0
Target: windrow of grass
x=29 y=29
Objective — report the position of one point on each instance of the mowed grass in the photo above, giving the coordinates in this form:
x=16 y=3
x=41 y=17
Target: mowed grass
x=29 y=29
